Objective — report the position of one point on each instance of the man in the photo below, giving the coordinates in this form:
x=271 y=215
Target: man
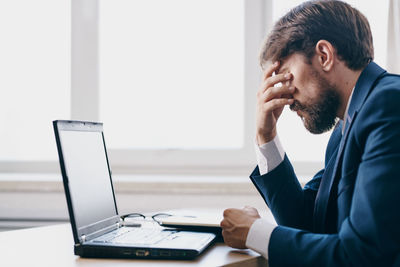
x=318 y=60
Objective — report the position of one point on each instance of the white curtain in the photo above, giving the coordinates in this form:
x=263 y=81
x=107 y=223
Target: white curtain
x=393 y=48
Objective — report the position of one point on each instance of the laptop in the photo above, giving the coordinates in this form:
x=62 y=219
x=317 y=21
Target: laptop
x=97 y=227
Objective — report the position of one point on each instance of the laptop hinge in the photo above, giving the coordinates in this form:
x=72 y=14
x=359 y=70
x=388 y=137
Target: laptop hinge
x=88 y=237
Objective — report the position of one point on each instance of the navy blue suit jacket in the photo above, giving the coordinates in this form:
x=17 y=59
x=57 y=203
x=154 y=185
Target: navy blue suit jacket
x=349 y=213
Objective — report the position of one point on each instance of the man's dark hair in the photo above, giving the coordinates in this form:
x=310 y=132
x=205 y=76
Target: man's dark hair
x=331 y=20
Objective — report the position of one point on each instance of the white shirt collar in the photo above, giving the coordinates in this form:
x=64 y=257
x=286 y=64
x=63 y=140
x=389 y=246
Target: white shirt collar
x=346 y=112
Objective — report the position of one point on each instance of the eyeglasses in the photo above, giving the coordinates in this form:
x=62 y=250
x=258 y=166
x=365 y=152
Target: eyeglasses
x=140 y=215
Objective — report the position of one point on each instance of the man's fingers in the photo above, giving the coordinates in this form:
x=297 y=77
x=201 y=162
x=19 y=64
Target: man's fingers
x=270 y=69
x=229 y=212
x=279 y=78
x=278 y=103
x=283 y=78
x=278 y=92
x=225 y=224
x=227 y=237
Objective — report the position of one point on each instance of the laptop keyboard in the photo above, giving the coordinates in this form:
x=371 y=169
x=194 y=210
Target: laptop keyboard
x=142 y=236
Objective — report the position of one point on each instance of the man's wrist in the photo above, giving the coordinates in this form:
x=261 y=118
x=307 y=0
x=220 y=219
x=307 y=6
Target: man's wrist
x=259 y=235
x=264 y=138
x=269 y=155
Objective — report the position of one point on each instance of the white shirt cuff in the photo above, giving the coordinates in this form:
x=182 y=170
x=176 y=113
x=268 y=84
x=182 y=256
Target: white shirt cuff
x=269 y=155
x=259 y=235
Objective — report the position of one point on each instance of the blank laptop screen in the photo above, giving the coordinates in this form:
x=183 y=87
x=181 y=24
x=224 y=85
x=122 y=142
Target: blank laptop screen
x=89 y=179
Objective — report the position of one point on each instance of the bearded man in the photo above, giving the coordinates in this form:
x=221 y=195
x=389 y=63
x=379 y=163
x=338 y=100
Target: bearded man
x=318 y=59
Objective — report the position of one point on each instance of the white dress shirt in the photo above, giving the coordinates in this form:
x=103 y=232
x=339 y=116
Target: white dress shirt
x=269 y=156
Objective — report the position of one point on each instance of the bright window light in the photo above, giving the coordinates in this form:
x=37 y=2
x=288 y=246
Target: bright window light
x=35 y=76
x=172 y=73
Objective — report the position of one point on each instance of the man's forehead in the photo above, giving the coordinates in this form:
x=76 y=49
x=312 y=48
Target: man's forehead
x=267 y=64
x=286 y=63
x=282 y=68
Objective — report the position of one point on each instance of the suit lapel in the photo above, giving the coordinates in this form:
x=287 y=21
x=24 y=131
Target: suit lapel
x=321 y=199
x=362 y=89
x=347 y=128
x=331 y=176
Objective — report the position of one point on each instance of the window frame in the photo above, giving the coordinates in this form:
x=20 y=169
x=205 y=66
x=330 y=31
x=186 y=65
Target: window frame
x=85 y=95
x=85 y=105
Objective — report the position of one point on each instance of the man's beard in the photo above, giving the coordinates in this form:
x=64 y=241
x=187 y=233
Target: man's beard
x=320 y=114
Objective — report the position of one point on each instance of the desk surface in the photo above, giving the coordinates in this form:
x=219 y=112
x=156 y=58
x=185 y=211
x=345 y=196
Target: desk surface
x=53 y=246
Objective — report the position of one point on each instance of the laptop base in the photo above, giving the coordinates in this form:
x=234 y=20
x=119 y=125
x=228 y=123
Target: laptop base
x=90 y=251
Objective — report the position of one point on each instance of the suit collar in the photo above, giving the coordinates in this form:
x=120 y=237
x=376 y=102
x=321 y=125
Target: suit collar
x=346 y=113
x=363 y=87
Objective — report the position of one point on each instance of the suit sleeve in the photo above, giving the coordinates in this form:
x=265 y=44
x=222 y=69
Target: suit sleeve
x=370 y=235
x=289 y=203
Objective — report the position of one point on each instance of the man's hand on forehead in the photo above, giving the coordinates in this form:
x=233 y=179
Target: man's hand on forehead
x=274 y=94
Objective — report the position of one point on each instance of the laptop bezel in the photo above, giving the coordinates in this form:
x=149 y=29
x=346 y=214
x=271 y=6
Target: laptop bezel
x=87 y=232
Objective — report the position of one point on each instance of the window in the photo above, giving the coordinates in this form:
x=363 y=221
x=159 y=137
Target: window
x=174 y=81
x=35 y=77
x=172 y=74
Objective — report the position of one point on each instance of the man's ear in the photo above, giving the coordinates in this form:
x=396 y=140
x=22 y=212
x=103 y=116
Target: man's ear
x=325 y=53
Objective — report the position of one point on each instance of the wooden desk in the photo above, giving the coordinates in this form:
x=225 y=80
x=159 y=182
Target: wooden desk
x=53 y=246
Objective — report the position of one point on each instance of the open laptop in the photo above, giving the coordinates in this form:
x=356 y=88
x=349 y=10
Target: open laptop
x=97 y=228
